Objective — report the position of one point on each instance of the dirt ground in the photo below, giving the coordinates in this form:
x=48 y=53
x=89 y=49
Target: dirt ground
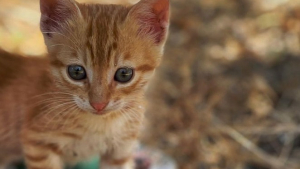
x=227 y=94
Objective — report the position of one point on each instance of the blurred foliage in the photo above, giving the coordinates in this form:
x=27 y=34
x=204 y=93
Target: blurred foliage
x=227 y=94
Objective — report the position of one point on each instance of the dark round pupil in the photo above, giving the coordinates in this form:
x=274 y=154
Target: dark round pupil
x=124 y=75
x=76 y=72
x=124 y=72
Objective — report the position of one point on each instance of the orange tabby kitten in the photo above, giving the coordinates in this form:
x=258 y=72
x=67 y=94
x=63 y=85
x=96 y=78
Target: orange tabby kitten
x=86 y=97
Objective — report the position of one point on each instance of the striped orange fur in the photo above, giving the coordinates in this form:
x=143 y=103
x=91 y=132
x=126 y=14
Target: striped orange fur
x=48 y=118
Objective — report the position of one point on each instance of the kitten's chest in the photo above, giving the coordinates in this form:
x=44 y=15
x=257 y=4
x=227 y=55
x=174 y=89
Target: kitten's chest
x=89 y=145
x=93 y=143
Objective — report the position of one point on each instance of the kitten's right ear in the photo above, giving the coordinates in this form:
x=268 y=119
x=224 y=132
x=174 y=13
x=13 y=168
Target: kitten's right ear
x=55 y=13
x=153 y=18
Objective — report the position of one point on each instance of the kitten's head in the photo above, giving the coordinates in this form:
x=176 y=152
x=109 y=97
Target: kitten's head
x=104 y=55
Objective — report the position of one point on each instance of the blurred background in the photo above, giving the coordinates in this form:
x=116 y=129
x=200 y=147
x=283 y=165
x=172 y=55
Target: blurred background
x=227 y=94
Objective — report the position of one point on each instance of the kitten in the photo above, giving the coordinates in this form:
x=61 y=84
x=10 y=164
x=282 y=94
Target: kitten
x=86 y=97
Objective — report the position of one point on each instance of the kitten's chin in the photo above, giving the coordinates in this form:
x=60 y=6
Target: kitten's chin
x=100 y=113
x=104 y=112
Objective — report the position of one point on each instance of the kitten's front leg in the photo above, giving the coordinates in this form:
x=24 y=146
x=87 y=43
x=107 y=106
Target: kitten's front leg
x=41 y=156
x=118 y=164
x=120 y=158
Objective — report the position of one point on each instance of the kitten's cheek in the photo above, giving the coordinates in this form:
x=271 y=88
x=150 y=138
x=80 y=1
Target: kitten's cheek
x=109 y=105
x=83 y=104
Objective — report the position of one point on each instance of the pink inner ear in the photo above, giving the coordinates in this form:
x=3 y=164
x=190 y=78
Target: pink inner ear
x=161 y=9
x=47 y=5
x=54 y=14
x=155 y=20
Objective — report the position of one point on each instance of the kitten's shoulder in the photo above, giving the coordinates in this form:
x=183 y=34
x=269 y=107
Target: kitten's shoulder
x=6 y=57
x=9 y=60
x=9 y=66
x=13 y=66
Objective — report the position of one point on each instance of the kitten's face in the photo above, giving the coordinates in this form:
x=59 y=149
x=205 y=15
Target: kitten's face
x=104 y=56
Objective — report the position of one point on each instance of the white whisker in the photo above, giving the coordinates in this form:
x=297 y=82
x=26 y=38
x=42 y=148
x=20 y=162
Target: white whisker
x=51 y=93
x=50 y=100
x=59 y=113
x=65 y=37
x=63 y=45
x=65 y=28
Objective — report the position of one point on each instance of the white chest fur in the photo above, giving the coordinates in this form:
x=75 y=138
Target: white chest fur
x=82 y=149
x=98 y=138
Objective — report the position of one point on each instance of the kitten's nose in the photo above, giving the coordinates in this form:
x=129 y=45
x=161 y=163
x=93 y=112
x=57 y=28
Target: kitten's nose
x=99 y=106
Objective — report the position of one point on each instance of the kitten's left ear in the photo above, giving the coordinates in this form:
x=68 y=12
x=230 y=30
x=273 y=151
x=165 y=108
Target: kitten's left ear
x=55 y=13
x=153 y=18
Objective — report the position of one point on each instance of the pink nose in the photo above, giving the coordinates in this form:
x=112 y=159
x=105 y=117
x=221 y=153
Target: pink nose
x=99 y=106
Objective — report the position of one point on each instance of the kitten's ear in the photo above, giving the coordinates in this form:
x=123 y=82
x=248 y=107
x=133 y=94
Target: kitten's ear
x=153 y=18
x=55 y=13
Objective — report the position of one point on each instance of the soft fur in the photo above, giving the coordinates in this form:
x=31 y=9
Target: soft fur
x=46 y=117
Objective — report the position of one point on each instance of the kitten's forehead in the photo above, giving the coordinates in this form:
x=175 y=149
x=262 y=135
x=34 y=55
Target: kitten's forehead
x=103 y=31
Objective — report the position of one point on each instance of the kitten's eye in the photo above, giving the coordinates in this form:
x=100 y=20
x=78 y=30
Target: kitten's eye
x=124 y=75
x=76 y=72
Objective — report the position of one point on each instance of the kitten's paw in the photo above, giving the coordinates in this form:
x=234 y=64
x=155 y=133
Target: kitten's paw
x=142 y=160
x=146 y=158
x=127 y=165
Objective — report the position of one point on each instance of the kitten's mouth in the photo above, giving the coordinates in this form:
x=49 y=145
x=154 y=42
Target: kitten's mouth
x=106 y=111
x=102 y=112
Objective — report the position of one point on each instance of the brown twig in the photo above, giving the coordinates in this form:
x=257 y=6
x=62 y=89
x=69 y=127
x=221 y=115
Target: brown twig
x=277 y=163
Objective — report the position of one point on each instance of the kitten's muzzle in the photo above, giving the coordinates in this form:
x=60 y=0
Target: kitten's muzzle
x=99 y=107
